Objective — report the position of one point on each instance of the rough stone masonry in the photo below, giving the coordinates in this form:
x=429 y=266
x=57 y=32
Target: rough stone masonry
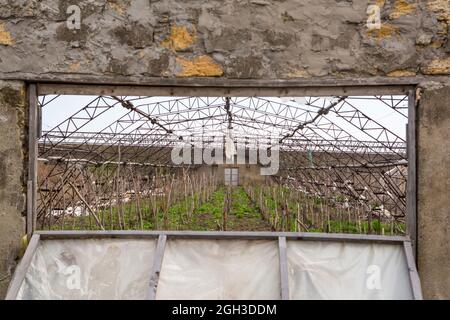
x=258 y=39
x=241 y=39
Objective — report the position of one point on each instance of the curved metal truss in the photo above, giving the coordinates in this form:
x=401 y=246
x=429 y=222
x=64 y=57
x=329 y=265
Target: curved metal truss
x=329 y=146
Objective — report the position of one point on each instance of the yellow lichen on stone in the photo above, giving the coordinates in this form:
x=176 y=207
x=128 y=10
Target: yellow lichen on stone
x=299 y=74
x=437 y=43
x=441 y=8
x=386 y=31
x=180 y=38
x=380 y=3
x=401 y=73
x=5 y=36
x=202 y=66
x=118 y=6
x=438 y=67
x=141 y=54
x=402 y=8
x=73 y=67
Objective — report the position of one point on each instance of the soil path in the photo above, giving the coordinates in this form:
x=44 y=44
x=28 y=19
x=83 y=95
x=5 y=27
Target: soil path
x=244 y=215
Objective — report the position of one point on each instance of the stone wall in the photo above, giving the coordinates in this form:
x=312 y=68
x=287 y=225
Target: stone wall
x=13 y=148
x=260 y=39
x=434 y=192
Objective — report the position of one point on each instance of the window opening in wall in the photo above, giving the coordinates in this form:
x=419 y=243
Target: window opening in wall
x=312 y=164
x=328 y=177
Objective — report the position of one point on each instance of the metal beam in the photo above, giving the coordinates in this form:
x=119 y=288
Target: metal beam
x=211 y=91
x=22 y=268
x=32 y=159
x=157 y=265
x=222 y=235
x=283 y=268
x=413 y=275
x=411 y=198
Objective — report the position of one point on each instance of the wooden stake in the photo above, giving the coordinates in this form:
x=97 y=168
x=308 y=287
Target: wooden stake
x=87 y=205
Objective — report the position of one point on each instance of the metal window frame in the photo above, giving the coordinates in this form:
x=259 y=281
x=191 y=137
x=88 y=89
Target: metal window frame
x=164 y=236
x=235 y=87
x=411 y=195
x=226 y=88
x=33 y=136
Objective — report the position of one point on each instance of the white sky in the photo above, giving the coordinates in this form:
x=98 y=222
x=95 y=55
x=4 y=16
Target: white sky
x=64 y=106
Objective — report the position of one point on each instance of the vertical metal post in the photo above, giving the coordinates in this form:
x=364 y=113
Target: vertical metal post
x=411 y=201
x=157 y=265
x=22 y=269
x=32 y=159
x=283 y=268
x=39 y=120
x=413 y=275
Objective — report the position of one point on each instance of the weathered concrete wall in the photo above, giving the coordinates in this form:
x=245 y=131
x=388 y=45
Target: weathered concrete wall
x=12 y=192
x=263 y=39
x=434 y=193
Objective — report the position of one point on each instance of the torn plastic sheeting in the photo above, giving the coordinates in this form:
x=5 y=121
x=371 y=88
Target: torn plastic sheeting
x=89 y=269
x=342 y=270
x=220 y=269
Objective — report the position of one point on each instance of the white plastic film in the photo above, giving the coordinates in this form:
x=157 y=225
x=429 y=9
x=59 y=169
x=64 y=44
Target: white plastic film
x=215 y=269
x=220 y=269
x=342 y=270
x=89 y=269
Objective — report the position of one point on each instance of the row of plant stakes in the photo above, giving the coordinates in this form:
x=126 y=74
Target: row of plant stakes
x=194 y=201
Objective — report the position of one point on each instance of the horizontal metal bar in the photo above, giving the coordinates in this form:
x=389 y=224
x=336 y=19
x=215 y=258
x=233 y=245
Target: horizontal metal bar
x=208 y=90
x=222 y=235
x=46 y=235
x=22 y=268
